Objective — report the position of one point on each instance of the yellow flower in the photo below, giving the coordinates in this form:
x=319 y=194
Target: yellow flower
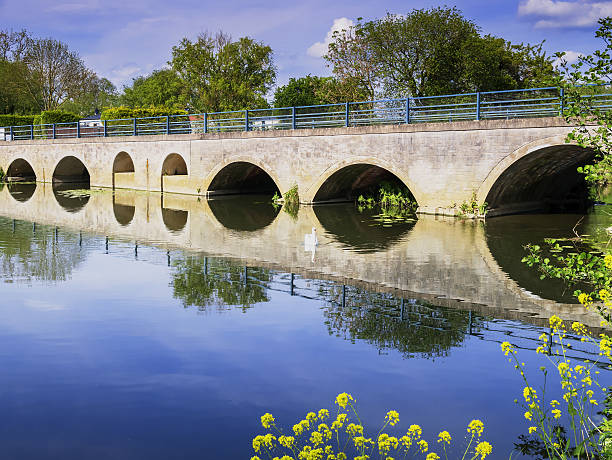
x=286 y=441
x=392 y=417
x=554 y=403
x=432 y=456
x=423 y=446
x=267 y=420
x=483 y=449
x=528 y=393
x=311 y=416
x=323 y=414
x=444 y=436
x=353 y=429
x=528 y=415
x=415 y=431
x=555 y=322
x=475 y=427
x=316 y=438
x=506 y=348
x=556 y=413
x=343 y=399
x=532 y=429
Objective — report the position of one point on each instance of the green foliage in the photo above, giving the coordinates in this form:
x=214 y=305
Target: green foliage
x=403 y=55
x=219 y=74
x=2 y=174
x=472 y=207
x=160 y=88
x=151 y=115
x=56 y=116
x=115 y=113
x=395 y=201
x=95 y=94
x=581 y=108
x=16 y=120
x=301 y=92
x=292 y=202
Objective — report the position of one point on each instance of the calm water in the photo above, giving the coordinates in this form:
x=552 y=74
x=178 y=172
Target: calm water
x=141 y=326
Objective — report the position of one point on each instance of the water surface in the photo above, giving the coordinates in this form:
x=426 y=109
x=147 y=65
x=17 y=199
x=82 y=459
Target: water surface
x=140 y=326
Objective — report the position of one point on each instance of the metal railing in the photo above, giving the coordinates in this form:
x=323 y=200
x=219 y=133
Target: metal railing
x=491 y=105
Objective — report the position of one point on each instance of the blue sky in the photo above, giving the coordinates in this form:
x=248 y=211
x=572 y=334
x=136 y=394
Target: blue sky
x=121 y=39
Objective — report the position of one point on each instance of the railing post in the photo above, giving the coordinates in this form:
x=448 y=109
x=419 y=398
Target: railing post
x=346 y=115
x=78 y=129
x=54 y=136
x=105 y=129
x=293 y=120
x=31 y=131
x=246 y=120
x=167 y=124
x=135 y=129
x=205 y=123
x=11 y=132
x=478 y=106
x=407 y=120
x=561 y=101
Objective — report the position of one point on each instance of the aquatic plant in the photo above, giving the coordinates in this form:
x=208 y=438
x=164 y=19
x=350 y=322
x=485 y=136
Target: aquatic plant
x=472 y=208
x=396 y=203
x=292 y=202
x=319 y=436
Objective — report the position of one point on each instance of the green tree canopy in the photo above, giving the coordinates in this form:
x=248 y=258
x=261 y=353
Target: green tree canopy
x=220 y=74
x=430 y=52
x=161 y=88
x=301 y=91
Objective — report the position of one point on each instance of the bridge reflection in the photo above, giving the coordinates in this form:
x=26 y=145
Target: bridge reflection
x=455 y=264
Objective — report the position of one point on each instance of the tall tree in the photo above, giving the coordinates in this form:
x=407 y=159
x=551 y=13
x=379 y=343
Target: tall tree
x=54 y=73
x=162 y=88
x=220 y=74
x=430 y=52
x=354 y=64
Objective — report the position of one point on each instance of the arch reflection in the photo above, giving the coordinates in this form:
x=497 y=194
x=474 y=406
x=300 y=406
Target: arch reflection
x=246 y=214
x=363 y=231
x=21 y=191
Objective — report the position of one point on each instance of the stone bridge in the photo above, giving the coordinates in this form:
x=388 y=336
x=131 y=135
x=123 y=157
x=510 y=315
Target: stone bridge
x=513 y=165
x=446 y=262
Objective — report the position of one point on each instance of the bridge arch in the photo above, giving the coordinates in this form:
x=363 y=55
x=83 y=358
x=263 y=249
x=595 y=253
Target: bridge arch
x=21 y=170
x=123 y=170
x=350 y=176
x=540 y=175
x=173 y=165
x=70 y=169
x=242 y=175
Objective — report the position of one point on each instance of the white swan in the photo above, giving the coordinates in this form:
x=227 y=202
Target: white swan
x=310 y=239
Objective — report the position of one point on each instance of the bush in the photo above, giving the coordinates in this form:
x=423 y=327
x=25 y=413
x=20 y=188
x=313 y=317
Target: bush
x=49 y=117
x=116 y=113
x=16 y=120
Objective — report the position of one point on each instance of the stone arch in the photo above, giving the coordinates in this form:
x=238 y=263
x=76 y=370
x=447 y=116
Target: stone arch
x=241 y=175
x=350 y=176
x=538 y=176
x=173 y=165
x=20 y=170
x=70 y=169
x=123 y=170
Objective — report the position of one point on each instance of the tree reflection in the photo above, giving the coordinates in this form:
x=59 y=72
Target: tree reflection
x=219 y=283
x=413 y=328
x=29 y=251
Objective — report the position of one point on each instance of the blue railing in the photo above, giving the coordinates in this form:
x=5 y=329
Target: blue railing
x=491 y=105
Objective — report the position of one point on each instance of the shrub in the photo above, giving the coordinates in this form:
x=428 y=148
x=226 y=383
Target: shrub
x=16 y=120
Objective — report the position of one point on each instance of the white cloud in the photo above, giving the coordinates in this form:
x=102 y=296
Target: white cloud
x=319 y=49
x=570 y=57
x=558 y=13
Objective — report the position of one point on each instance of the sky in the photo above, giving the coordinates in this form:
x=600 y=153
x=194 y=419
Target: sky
x=122 y=39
